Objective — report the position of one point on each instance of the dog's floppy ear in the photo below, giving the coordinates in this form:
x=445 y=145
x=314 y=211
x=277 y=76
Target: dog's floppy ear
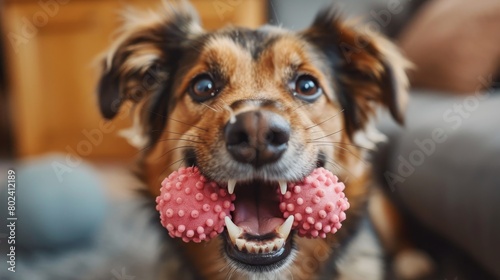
x=142 y=59
x=367 y=69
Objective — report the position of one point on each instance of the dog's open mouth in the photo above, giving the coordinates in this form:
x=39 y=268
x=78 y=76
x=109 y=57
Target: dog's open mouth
x=255 y=217
x=257 y=235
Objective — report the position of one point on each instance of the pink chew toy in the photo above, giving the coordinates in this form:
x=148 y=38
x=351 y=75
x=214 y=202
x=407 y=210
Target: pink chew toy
x=317 y=203
x=191 y=207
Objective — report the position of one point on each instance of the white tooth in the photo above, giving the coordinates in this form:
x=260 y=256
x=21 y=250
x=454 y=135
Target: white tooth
x=233 y=230
x=286 y=227
x=266 y=248
x=230 y=186
x=249 y=246
x=283 y=187
x=240 y=243
x=256 y=248
x=279 y=243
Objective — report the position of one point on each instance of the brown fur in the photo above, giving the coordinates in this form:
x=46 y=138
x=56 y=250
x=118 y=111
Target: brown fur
x=371 y=74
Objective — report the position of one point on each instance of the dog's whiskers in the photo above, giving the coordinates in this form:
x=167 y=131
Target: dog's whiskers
x=180 y=161
x=300 y=106
x=322 y=122
x=324 y=136
x=210 y=107
x=177 y=133
x=342 y=143
x=180 y=139
x=339 y=166
x=162 y=173
x=316 y=131
x=164 y=140
x=191 y=125
x=353 y=154
x=175 y=148
x=342 y=149
x=232 y=117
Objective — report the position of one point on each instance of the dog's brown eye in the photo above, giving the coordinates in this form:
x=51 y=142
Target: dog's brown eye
x=306 y=88
x=202 y=88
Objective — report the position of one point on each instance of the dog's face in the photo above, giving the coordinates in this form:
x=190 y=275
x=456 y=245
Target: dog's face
x=253 y=110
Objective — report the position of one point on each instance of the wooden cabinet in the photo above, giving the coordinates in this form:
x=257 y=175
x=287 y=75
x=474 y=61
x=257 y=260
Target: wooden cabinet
x=51 y=54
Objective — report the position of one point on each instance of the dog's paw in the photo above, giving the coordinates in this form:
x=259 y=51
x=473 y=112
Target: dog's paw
x=412 y=264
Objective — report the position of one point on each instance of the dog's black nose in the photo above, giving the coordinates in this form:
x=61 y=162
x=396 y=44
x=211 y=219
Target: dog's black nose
x=257 y=137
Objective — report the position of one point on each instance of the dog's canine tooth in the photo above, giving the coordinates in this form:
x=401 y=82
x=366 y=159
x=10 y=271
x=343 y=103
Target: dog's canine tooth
x=286 y=227
x=233 y=230
x=230 y=186
x=279 y=243
x=283 y=187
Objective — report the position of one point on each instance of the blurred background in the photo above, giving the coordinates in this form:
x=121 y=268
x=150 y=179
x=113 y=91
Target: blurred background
x=51 y=49
x=51 y=129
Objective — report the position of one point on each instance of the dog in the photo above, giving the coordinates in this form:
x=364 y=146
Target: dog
x=257 y=108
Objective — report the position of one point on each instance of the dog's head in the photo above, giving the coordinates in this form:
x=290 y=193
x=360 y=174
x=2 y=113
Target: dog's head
x=255 y=109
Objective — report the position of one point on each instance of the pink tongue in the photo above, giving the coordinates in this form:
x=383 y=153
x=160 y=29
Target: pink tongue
x=257 y=209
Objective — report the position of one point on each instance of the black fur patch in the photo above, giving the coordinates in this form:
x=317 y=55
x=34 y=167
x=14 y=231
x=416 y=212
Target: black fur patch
x=254 y=41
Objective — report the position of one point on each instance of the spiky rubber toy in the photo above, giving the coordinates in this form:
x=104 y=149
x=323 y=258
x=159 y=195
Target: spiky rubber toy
x=193 y=208
x=317 y=203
